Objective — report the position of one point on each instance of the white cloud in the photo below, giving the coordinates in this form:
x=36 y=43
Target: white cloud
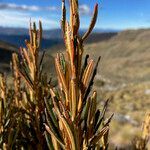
x=13 y=6
x=84 y=9
x=20 y=19
x=14 y=15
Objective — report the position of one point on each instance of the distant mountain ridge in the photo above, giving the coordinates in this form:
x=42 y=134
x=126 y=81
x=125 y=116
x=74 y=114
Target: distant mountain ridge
x=51 y=33
x=118 y=50
x=13 y=38
x=16 y=36
x=19 y=40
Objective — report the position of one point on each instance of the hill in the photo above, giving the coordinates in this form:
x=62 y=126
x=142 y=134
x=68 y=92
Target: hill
x=125 y=57
x=18 y=40
x=123 y=53
x=124 y=72
x=124 y=77
x=16 y=36
x=6 y=51
x=12 y=38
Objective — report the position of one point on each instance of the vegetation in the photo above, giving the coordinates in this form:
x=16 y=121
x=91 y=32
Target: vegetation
x=67 y=116
x=140 y=143
x=36 y=115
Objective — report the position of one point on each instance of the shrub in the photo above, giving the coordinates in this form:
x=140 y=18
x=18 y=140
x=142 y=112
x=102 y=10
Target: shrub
x=75 y=122
x=141 y=143
x=36 y=115
x=71 y=117
x=33 y=112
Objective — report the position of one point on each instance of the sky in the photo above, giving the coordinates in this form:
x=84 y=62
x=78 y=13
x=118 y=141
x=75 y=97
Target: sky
x=113 y=14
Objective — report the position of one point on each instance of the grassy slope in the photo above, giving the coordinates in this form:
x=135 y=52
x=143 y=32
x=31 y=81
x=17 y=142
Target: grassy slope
x=125 y=68
x=125 y=58
x=124 y=72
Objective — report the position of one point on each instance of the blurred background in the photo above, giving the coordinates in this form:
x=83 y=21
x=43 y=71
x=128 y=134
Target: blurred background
x=121 y=37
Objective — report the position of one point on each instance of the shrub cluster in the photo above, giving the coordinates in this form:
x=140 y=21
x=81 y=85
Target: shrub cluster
x=36 y=115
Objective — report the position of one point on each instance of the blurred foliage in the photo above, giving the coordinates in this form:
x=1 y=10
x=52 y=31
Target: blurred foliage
x=36 y=115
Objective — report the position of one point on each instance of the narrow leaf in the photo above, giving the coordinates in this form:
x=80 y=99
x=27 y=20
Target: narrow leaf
x=92 y=24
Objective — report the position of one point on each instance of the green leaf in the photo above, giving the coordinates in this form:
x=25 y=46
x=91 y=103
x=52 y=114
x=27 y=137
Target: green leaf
x=49 y=141
x=49 y=108
x=55 y=136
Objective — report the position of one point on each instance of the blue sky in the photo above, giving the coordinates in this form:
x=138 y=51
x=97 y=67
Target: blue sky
x=113 y=14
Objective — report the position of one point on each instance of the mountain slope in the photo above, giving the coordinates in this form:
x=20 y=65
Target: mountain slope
x=6 y=51
x=16 y=36
x=123 y=74
x=125 y=57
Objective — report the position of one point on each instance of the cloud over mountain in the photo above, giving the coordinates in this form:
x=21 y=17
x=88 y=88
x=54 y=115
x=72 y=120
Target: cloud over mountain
x=14 y=6
x=84 y=9
x=18 y=15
